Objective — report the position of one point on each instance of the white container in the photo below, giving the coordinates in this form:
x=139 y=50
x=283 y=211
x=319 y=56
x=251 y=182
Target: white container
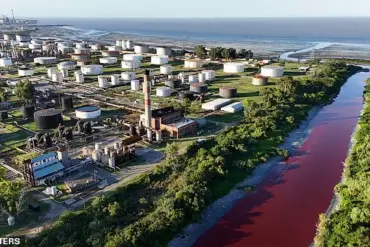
x=51 y=71
x=108 y=60
x=164 y=51
x=103 y=81
x=209 y=74
x=132 y=57
x=163 y=91
x=234 y=68
x=166 y=69
x=135 y=85
x=26 y=72
x=5 y=62
x=132 y=64
x=128 y=76
x=57 y=77
x=114 y=79
x=159 y=60
x=129 y=44
x=80 y=78
x=119 y=43
x=140 y=49
x=69 y=65
x=272 y=71
x=192 y=79
x=201 y=77
x=193 y=64
x=93 y=69
x=65 y=73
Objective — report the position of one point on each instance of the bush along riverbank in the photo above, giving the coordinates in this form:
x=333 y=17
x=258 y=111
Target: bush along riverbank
x=349 y=225
x=153 y=208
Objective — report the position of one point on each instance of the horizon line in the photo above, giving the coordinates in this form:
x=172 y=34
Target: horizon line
x=189 y=18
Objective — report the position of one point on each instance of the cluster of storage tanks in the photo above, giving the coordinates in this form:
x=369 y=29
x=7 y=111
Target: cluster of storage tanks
x=107 y=156
x=125 y=44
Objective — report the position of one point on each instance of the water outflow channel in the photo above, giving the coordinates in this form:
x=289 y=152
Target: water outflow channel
x=284 y=209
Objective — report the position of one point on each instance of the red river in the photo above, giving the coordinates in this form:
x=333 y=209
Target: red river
x=284 y=209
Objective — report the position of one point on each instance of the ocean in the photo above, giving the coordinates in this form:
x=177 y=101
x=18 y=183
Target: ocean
x=340 y=30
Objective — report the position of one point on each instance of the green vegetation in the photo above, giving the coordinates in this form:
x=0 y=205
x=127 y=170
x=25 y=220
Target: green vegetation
x=25 y=90
x=350 y=225
x=153 y=208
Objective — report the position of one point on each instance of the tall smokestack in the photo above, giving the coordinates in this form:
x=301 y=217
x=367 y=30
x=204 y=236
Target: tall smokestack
x=148 y=107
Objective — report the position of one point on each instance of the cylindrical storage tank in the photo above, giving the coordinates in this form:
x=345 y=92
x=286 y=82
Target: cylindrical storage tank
x=111 y=162
x=131 y=64
x=135 y=85
x=81 y=51
x=48 y=118
x=198 y=88
x=159 y=60
x=57 y=77
x=36 y=42
x=114 y=79
x=65 y=50
x=86 y=151
x=193 y=63
x=103 y=81
x=45 y=47
x=228 y=92
x=128 y=76
x=98 y=146
x=108 y=60
x=23 y=37
x=173 y=84
x=186 y=95
x=164 y=51
x=9 y=37
x=259 y=80
x=80 y=45
x=35 y=46
x=79 y=56
x=106 y=150
x=25 y=72
x=45 y=60
x=93 y=69
x=25 y=44
x=166 y=69
x=233 y=68
x=129 y=44
x=201 y=77
x=80 y=78
x=163 y=91
x=96 y=155
x=88 y=112
x=119 y=43
x=104 y=159
x=140 y=49
x=28 y=111
x=117 y=145
x=209 y=74
x=192 y=79
x=67 y=103
x=131 y=57
x=51 y=71
x=65 y=44
x=5 y=61
x=158 y=136
x=272 y=71
x=114 y=48
x=110 y=53
x=96 y=47
x=69 y=65
x=65 y=73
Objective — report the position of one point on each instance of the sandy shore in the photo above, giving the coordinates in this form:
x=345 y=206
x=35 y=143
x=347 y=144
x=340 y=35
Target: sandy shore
x=219 y=208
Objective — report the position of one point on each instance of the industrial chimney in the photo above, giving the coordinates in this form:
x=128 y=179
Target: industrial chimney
x=148 y=107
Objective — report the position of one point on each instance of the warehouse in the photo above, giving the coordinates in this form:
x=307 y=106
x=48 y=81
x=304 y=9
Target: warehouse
x=216 y=104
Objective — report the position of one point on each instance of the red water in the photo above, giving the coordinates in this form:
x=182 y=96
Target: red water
x=284 y=209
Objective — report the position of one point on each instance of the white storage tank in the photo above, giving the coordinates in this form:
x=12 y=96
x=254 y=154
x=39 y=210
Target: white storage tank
x=135 y=85
x=209 y=74
x=130 y=64
x=159 y=60
x=57 y=77
x=96 y=47
x=128 y=76
x=163 y=91
x=24 y=44
x=193 y=63
x=96 y=155
x=94 y=69
x=132 y=57
x=98 y=146
x=65 y=73
x=110 y=53
x=192 y=79
x=51 y=71
x=5 y=61
x=129 y=44
x=80 y=78
x=80 y=45
x=35 y=46
x=102 y=81
x=65 y=50
x=112 y=162
x=81 y=51
x=65 y=44
x=119 y=43
x=164 y=51
x=114 y=48
x=114 y=79
x=123 y=45
x=36 y=42
x=69 y=65
x=108 y=60
x=140 y=49
x=25 y=72
x=234 y=67
x=88 y=112
x=202 y=77
x=9 y=37
x=272 y=71
x=166 y=69
x=23 y=37
x=45 y=60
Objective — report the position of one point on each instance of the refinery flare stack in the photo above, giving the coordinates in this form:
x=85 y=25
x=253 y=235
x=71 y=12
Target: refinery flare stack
x=148 y=109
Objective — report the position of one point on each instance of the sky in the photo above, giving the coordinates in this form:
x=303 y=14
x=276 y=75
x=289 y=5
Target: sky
x=186 y=8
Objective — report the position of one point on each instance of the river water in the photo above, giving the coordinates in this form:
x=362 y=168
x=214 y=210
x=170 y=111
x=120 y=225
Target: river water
x=284 y=209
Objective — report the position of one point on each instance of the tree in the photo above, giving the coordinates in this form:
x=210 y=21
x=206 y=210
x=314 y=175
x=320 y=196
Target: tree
x=232 y=53
x=226 y=53
x=25 y=90
x=172 y=151
x=200 y=51
x=288 y=85
x=215 y=53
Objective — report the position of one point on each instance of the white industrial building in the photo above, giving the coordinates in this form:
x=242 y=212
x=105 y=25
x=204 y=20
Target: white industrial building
x=130 y=64
x=140 y=49
x=135 y=85
x=68 y=65
x=108 y=60
x=25 y=72
x=193 y=64
x=132 y=57
x=159 y=60
x=94 y=69
x=45 y=60
x=5 y=61
x=234 y=67
x=163 y=92
x=216 y=104
x=272 y=71
x=166 y=69
x=128 y=76
x=234 y=107
x=164 y=51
